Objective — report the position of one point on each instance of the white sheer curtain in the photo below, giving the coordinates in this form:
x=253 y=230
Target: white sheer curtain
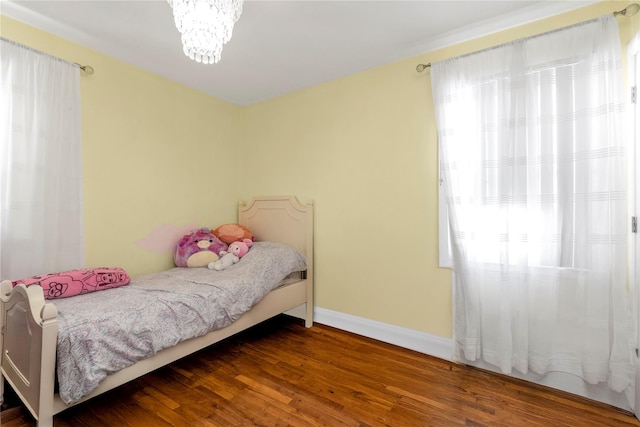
x=41 y=215
x=534 y=162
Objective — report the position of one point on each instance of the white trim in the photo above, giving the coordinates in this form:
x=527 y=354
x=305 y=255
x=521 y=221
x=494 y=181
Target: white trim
x=13 y=9
x=422 y=342
x=569 y=383
x=633 y=155
x=442 y=348
x=535 y=12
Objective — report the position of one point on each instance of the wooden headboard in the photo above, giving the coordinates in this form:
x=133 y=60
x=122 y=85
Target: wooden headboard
x=284 y=220
x=280 y=219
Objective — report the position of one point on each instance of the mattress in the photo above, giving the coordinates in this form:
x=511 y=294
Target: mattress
x=103 y=332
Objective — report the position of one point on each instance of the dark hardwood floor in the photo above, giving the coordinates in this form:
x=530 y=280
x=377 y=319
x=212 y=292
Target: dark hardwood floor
x=282 y=374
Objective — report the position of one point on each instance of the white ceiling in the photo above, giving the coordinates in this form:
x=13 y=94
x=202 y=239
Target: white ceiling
x=278 y=46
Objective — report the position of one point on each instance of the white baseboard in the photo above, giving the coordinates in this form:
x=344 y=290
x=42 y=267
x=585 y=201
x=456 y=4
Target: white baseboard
x=432 y=345
x=442 y=348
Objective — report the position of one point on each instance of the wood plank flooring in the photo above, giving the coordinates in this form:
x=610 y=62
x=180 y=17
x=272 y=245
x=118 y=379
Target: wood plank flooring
x=282 y=374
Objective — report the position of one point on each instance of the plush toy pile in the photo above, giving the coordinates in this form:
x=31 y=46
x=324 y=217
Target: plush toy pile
x=236 y=251
x=217 y=249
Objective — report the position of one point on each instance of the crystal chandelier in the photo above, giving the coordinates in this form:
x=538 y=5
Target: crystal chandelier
x=205 y=25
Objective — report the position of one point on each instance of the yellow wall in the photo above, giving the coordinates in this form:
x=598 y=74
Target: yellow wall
x=155 y=153
x=363 y=148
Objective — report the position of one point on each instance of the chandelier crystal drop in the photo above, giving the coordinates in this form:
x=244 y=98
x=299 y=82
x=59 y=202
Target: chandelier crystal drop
x=205 y=25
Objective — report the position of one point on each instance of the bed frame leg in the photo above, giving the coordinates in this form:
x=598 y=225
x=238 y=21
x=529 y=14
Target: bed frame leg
x=1 y=387
x=308 y=319
x=45 y=422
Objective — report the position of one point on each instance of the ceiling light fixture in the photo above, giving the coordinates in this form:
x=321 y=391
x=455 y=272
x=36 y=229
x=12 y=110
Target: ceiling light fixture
x=205 y=25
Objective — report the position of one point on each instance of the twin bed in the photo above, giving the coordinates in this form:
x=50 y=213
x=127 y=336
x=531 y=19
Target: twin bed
x=276 y=276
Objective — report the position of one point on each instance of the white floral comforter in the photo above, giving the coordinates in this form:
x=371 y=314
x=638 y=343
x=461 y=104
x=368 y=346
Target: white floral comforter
x=103 y=332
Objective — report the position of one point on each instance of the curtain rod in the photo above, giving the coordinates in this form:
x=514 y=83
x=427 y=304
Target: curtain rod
x=86 y=68
x=629 y=11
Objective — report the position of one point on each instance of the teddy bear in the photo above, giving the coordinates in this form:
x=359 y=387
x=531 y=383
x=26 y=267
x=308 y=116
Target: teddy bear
x=229 y=257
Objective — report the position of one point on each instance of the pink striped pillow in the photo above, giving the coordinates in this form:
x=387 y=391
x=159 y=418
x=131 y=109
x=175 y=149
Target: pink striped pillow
x=76 y=282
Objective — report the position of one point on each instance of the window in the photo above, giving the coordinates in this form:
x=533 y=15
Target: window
x=41 y=215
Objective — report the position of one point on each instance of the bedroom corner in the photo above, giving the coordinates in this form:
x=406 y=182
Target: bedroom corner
x=155 y=154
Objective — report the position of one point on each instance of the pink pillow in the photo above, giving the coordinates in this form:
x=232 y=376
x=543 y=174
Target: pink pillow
x=76 y=282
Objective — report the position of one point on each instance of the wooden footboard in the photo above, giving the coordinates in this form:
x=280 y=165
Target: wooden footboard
x=29 y=324
x=28 y=341
x=28 y=365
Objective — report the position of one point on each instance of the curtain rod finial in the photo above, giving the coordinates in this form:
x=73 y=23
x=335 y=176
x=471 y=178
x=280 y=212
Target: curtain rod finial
x=630 y=10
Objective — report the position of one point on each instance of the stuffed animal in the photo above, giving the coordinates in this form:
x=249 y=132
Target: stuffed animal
x=198 y=249
x=236 y=251
x=230 y=233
